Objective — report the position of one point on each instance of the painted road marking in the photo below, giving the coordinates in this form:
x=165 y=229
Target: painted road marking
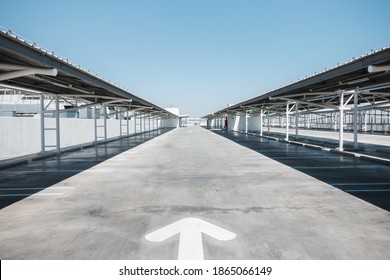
x=190 y=230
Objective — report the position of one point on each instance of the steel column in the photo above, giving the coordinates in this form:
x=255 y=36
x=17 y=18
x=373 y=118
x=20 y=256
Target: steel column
x=58 y=138
x=105 y=123
x=127 y=123
x=355 y=119
x=135 y=123
x=296 y=119
x=120 y=123
x=144 y=126
x=287 y=120
x=95 y=124
x=42 y=123
x=341 y=122
x=261 y=121
x=246 y=122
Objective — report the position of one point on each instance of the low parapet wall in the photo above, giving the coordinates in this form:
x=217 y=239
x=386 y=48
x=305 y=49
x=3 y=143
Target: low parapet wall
x=22 y=136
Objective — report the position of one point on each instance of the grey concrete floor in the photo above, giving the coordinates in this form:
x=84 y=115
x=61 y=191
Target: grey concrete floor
x=276 y=212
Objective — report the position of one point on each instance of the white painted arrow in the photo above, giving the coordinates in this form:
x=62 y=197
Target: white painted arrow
x=190 y=243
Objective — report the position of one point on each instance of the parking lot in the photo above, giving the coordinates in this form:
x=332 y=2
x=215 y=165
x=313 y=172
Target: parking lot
x=234 y=203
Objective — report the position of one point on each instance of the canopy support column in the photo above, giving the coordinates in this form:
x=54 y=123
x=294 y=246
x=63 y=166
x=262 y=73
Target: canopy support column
x=105 y=123
x=127 y=123
x=287 y=120
x=261 y=121
x=341 y=122
x=246 y=122
x=58 y=136
x=296 y=119
x=42 y=124
x=355 y=119
x=56 y=114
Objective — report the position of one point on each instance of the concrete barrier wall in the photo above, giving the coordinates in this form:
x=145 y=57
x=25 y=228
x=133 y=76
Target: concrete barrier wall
x=238 y=123
x=233 y=122
x=254 y=123
x=21 y=136
x=172 y=123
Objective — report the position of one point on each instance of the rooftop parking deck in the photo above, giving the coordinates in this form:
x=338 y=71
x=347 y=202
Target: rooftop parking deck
x=250 y=205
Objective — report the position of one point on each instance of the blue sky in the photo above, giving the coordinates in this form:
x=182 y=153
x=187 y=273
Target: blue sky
x=200 y=55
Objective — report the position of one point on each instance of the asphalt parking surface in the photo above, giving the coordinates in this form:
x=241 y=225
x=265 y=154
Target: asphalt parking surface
x=24 y=180
x=364 y=179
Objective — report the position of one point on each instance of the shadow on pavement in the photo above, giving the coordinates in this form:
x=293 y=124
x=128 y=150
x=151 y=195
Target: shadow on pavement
x=21 y=181
x=366 y=180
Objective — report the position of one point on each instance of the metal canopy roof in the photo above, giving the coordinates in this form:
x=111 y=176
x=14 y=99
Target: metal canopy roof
x=369 y=74
x=28 y=66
